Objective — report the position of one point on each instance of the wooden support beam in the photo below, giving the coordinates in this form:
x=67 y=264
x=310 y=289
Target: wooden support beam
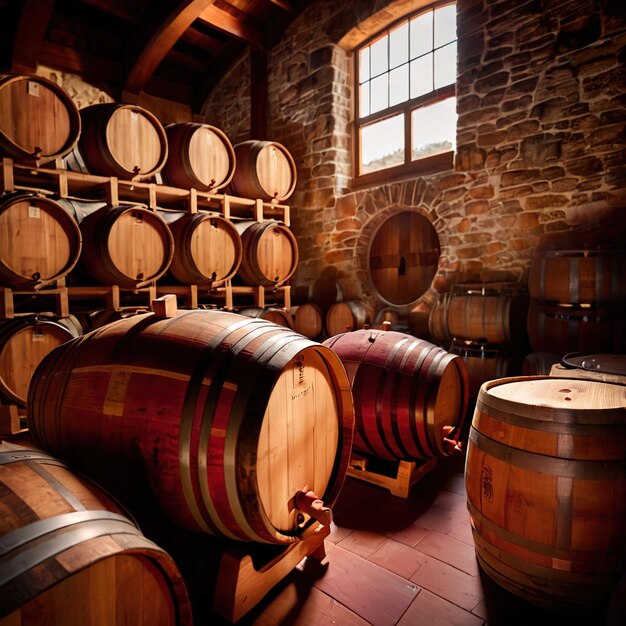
x=229 y=24
x=29 y=35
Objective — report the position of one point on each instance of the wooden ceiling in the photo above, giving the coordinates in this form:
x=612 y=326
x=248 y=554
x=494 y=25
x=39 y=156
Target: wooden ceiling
x=173 y=49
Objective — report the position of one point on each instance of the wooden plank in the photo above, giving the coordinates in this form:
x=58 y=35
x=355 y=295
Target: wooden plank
x=229 y=24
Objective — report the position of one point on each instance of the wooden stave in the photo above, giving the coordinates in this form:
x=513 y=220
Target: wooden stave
x=82 y=529
x=359 y=314
x=406 y=367
x=529 y=438
x=178 y=169
x=584 y=276
x=20 y=153
x=251 y=270
x=183 y=266
x=242 y=519
x=245 y=180
x=93 y=147
x=9 y=276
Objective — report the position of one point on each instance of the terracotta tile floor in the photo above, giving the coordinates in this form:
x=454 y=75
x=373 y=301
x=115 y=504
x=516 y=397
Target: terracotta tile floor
x=391 y=560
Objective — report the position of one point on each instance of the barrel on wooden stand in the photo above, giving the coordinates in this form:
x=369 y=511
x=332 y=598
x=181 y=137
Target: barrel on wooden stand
x=546 y=487
x=199 y=156
x=70 y=555
x=410 y=396
x=39 y=242
x=123 y=140
x=38 y=120
x=265 y=170
x=230 y=416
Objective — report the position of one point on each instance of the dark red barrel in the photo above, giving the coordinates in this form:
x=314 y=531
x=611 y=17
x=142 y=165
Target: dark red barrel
x=409 y=395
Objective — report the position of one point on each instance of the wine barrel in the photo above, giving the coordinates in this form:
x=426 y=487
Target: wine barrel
x=265 y=170
x=574 y=328
x=438 y=327
x=406 y=393
x=403 y=257
x=492 y=314
x=307 y=319
x=39 y=242
x=207 y=248
x=199 y=156
x=24 y=342
x=348 y=316
x=123 y=140
x=330 y=288
x=230 y=416
x=389 y=318
x=125 y=245
x=270 y=314
x=270 y=253
x=578 y=276
x=546 y=489
x=38 y=120
x=70 y=555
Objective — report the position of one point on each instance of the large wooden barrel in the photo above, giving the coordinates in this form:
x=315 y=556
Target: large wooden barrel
x=270 y=253
x=229 y=415
x=403 y=257
x=348 y=316
x=578 y=276
x=199 y=156
x=70 y=555
x=38 y=120
x=546 y=488
x=408 y=393
x=307 y=319
x=270 y=314
x=123 y=140
x=24 y=342
x=207 y=248
x=265 y=170
x=126 y=245
x=494 y=314
x=39 y=241
x=576 y=328
x=438 y=327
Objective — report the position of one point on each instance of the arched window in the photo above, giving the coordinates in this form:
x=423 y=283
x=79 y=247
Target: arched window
x=405 y=117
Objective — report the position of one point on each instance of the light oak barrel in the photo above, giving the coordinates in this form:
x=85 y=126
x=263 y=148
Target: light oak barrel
x=207 y=248
x=126 y=245
x=70 y=555
x=403 y=257
x=270 y=314
x=348 y=316
x=123 y=140
x=199 y=156
x=578 y=276
x=546 y=487
x=229 y=415
x=405 y=390
x=308 y=319
x=38 y=120
x=24 y=342
x=39 y=242
x=270 y=253
x=573 y=328
x=265 y=170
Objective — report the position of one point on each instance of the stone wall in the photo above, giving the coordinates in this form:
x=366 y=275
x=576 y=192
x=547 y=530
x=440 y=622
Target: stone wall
x=540 y=138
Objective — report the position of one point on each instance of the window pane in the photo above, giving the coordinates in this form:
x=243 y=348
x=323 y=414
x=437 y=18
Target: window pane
x=421 y=34
x=364 y=100
x=433 y=129
x=380 y=93
x=379 y=56
x=364 y=65
x=445 y=65
x=382 y=144
x=445 y=25
x=399 y=45
x=399 y=85
x=422 y=75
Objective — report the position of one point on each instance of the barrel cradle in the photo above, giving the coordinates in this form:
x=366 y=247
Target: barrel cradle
x=231 y=416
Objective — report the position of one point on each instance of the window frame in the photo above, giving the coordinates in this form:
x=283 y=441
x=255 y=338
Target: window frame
x=421 y=166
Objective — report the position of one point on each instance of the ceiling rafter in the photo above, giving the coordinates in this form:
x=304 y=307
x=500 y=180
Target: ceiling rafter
x=228 y=23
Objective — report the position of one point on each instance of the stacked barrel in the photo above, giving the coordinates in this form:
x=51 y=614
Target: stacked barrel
x=578 y=300
x=485 y=325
